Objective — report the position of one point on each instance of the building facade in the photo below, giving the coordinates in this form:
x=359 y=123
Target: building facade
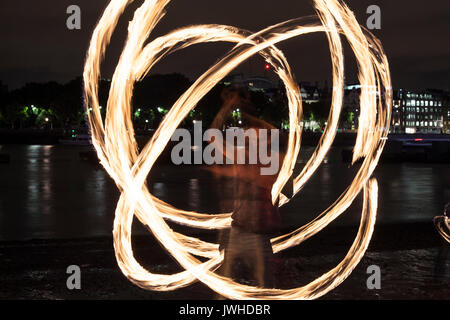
x=412 y=111
x=418 y=112
x=310 y=93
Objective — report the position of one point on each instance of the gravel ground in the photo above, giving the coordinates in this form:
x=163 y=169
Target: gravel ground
x=413 y=261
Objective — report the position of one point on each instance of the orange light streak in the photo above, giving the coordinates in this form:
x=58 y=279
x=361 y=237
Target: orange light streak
x=117 y=149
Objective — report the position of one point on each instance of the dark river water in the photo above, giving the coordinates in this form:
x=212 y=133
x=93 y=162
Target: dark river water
x=50 y=192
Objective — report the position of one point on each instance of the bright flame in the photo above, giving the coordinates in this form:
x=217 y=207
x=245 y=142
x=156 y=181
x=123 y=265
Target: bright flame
x=443 y=227
x=117 y=149
x=442 y=224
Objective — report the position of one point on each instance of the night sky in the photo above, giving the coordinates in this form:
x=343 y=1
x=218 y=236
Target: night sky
x=36 y=46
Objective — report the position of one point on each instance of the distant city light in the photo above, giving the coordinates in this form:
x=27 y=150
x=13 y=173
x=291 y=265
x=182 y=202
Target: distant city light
x=267 y=66
x=46 y=119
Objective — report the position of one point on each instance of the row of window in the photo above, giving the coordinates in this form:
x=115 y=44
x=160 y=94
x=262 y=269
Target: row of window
x=422 y=124
x=422 y=117
x=416 y=95
x=417 y=109
x=422 y=103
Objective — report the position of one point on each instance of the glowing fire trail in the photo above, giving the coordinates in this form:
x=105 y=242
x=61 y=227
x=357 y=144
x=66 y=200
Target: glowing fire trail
x=442 y=225
x=117 y=149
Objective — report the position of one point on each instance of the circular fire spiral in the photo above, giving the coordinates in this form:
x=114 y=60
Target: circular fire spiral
x=116 y=146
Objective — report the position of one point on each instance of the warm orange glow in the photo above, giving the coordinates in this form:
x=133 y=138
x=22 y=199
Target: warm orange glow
x=443 y=227
x=116 y=146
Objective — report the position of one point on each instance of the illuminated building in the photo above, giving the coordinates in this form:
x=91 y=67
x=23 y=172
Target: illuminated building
x=253 y=83
x=412 y=111
x=261 y=84
x=310 y=93
x=417 y=112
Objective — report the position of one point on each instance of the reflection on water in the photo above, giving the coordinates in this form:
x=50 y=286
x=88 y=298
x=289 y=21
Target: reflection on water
x=48 y=192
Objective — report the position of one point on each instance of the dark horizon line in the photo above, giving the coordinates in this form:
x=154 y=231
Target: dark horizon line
x=312 y=82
